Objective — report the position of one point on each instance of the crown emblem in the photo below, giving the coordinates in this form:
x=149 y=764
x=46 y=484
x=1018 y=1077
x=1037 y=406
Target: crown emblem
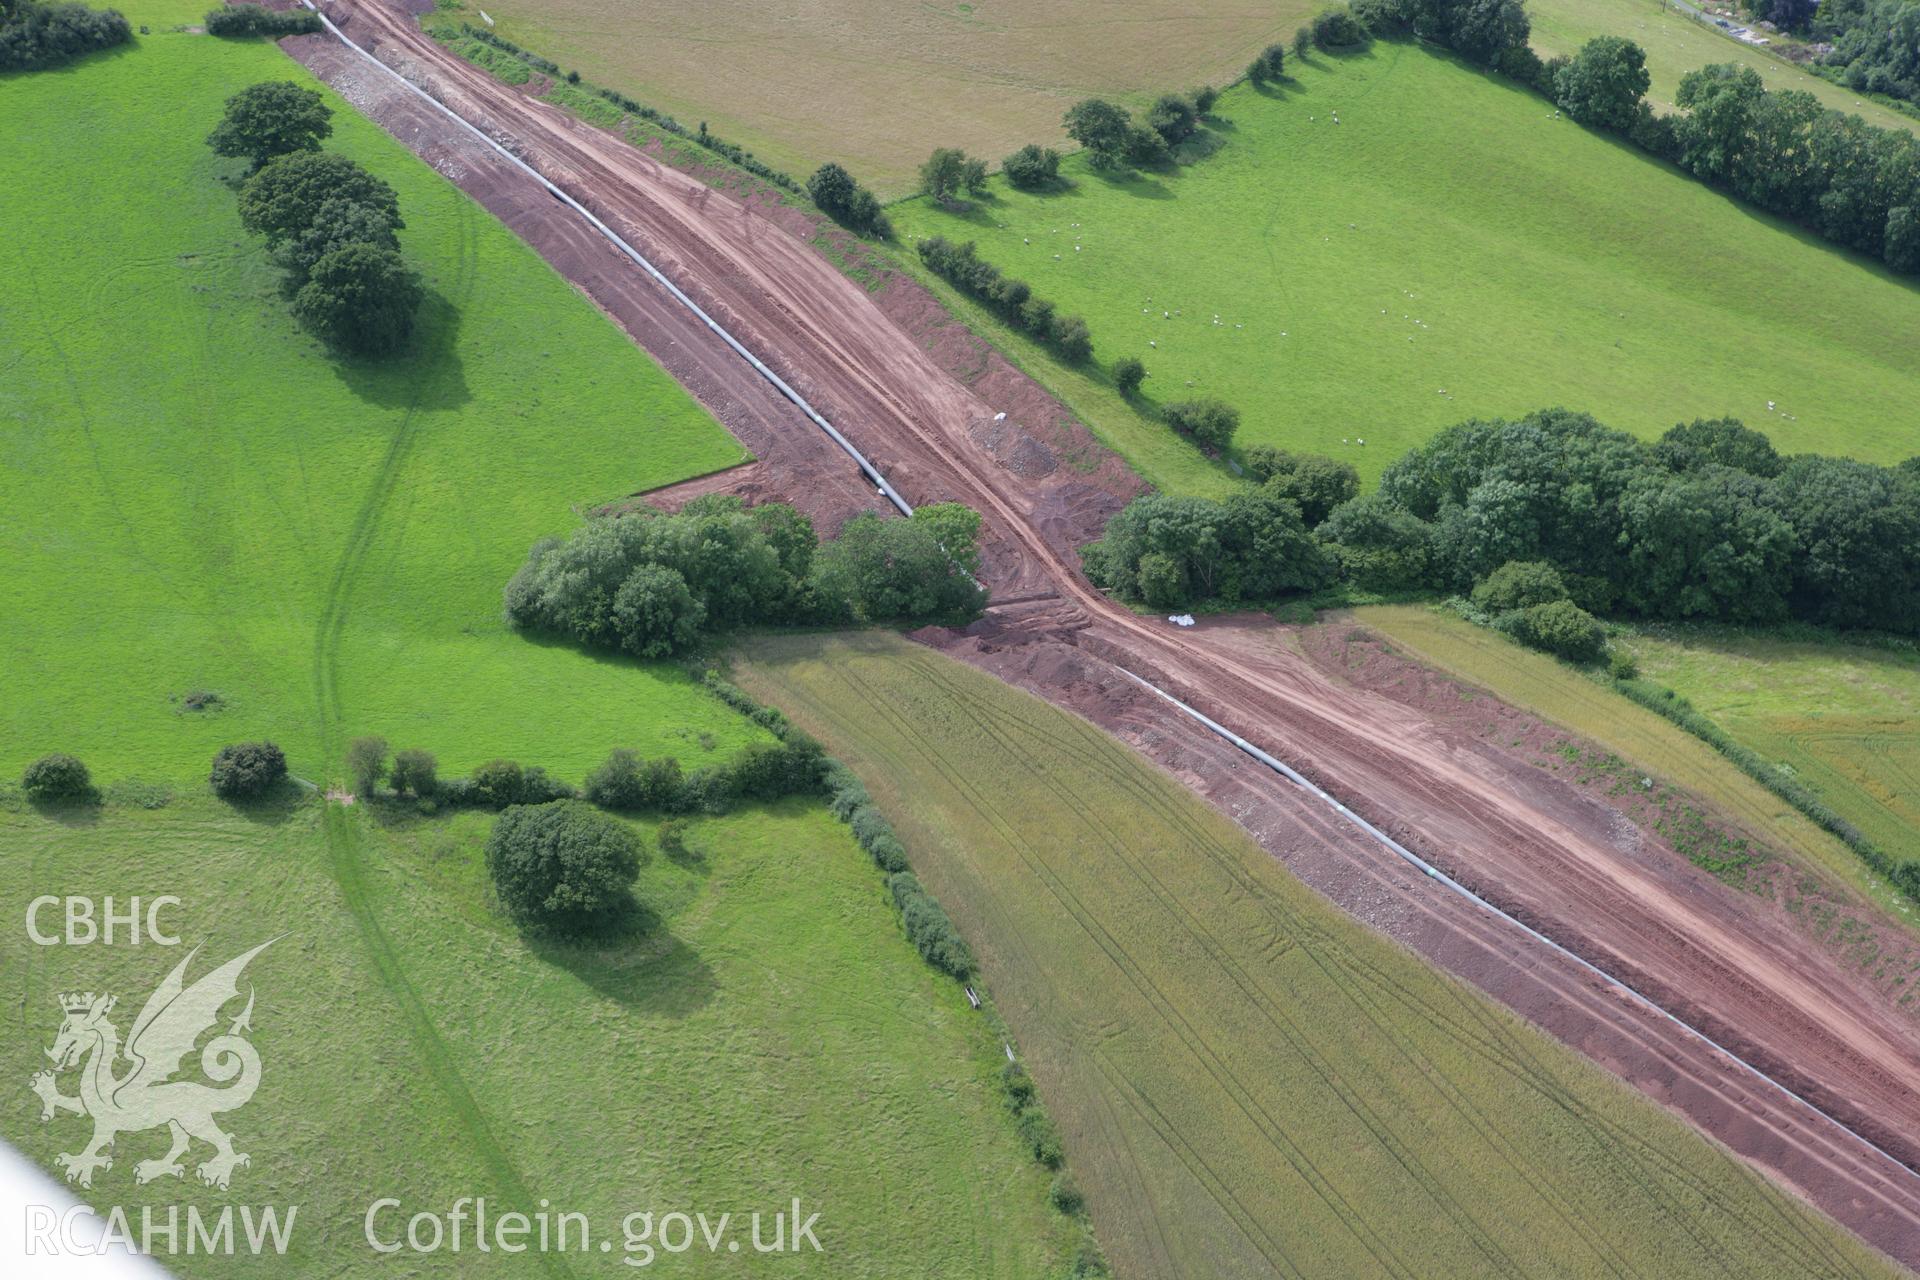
x=80 y=1002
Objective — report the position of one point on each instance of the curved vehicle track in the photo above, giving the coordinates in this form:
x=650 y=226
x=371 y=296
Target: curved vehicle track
x=1718 y=962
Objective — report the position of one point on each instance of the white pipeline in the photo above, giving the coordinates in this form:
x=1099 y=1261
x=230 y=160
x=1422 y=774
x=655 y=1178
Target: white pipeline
x=872 y=474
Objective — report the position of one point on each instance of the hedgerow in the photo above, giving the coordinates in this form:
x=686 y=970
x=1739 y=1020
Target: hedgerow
x=252 y=20
x=927 y=925
x=732 y=153
x=1670 y=705
x=962 y=267
x=36 y=36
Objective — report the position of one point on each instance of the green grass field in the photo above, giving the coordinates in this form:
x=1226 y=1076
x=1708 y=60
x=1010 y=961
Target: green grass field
x=1676 y=45
x=1844 y=718
x=1250 y=1082
x=1865 y=694
x=1446 y=251
x=195 y=497
x=772 y=1037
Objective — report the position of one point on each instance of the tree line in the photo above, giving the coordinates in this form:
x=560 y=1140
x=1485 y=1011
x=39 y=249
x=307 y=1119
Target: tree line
x=254 y=20
x=961 y=266
x=1780 y=150
x=1708 y=523
x=1853 y=183
x=35 y=36
x=328 y=222
x=655 y=585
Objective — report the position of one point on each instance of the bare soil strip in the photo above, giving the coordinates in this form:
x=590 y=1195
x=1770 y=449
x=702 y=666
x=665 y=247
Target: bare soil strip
x=889 y=373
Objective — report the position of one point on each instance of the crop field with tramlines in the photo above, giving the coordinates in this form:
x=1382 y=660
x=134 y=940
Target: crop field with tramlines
x=1258 y=1084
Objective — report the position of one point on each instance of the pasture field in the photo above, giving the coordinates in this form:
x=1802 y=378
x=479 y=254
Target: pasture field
x=876 y=85
x=194 y=497
x=772 y=1037
x=1447 y=250
x=1250 y=1082
x=1845 y=718
x=1718 y=679
x=164 y=15
x=1676 y=45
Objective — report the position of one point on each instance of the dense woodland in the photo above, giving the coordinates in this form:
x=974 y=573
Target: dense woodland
x=1707 y=523
x=1876 y=43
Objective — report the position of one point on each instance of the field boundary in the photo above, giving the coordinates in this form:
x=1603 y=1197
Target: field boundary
x=1671 y=705
x=847 y=807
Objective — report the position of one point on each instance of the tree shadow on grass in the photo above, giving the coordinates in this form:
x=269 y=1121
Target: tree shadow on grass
x=1360 y=52
x=975 y=212
x=1278 y=89
x=635 y=961
x=428 y=375
x=1203 y=145
x=83 y=64
x=78 y=814
x=659 y=668
x=275 y=807
x=1138 y=183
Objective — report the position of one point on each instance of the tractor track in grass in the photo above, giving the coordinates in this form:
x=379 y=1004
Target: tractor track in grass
x=1525 y=843
x=343 y=838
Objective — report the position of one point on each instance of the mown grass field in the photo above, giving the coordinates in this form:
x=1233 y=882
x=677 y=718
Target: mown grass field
x=772 y=1037
x=195 y=497
x=1447 y=250
x=877 y=85
x=1676 y=45
x=1250 y=1082
x=1844 y=718
x=1846 y=681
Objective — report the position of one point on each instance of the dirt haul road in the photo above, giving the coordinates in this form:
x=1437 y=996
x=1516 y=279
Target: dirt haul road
x=882 y=366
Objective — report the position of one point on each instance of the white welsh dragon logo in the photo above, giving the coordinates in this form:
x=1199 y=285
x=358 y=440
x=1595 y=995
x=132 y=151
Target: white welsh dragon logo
x=146 y=1096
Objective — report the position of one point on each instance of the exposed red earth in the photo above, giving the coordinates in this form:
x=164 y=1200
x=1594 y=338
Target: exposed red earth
x=919 y=395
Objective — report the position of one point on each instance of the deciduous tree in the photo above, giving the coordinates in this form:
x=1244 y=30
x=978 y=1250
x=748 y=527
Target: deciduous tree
x=271 y=119
x=563 y=866
x=283 y=199
x=362 y=298
x=1101 y=128
x=1604 y=83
